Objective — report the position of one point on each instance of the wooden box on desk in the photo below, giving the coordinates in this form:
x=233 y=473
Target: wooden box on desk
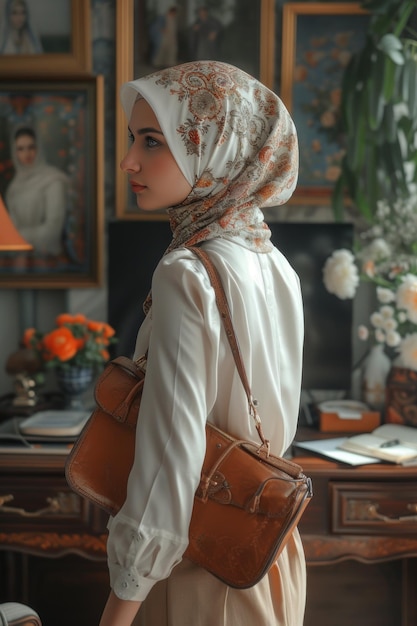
x=330 y=422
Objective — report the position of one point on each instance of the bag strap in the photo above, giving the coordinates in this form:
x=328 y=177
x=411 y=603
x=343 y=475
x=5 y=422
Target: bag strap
x=224 y=310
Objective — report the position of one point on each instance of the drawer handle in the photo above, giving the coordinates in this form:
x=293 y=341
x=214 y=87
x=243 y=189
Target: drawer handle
x=53 y=507
x=372 y=509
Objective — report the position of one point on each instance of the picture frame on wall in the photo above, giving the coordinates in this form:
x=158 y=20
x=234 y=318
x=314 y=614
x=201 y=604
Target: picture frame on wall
x=241 y=34
x=51 y=181
x=318 y=40
x=51 y=37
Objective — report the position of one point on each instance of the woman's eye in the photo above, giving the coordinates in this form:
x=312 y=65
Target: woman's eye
x=151 y=142
x=130 y=136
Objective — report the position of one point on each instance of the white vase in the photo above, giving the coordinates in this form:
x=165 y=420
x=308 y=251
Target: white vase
x=375 y=372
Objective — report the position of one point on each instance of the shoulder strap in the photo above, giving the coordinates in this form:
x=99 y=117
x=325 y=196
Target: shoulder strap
x=224 y=311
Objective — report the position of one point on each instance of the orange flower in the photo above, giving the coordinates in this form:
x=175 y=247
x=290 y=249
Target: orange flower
x=61 y=343
x=66 y=318
x=27 y=337
x=101 y=327
x=76 y=340
x=105 y=354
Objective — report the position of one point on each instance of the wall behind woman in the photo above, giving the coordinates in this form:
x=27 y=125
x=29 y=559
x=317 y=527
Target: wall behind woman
x=22 y=308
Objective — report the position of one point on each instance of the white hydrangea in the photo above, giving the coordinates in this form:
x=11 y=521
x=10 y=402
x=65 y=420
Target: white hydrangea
x=340 y=274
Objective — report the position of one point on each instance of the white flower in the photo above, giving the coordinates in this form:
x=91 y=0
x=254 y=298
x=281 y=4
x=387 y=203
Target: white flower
x=340 y=274
x=385 y=295
x=380 y=335
x=407 y=296
x=378 y=249
x=363 y=332
x=393 y=339
x=402 y=317
x=377 y=320
x=408 y=351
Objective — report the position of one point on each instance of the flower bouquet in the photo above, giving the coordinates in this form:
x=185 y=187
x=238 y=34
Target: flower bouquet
x=75 y=342
x=75 y=349
x=385 y=255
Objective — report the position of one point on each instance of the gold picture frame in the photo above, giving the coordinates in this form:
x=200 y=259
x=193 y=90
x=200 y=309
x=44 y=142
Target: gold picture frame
x=70 y=55
x=66 y=119
x=128 y=14
x=316 y=47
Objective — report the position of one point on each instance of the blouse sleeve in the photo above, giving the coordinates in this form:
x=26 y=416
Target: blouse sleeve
x=149 y=535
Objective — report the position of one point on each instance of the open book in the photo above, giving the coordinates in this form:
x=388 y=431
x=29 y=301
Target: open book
x=389 y=442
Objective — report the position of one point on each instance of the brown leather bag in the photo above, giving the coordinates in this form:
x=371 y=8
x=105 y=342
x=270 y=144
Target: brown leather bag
x=248 y=501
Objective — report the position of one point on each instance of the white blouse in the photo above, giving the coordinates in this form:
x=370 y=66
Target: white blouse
x=190 y=378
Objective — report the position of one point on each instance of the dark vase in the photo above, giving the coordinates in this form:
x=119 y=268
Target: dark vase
x=73 y=382
x=401 y=397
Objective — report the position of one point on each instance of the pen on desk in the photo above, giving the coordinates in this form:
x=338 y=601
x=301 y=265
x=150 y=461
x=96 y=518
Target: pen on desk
x=390 y=444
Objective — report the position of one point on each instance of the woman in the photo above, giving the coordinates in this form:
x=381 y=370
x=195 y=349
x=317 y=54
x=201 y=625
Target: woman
x=212 y=145
x=17 y=35
x=37 y=195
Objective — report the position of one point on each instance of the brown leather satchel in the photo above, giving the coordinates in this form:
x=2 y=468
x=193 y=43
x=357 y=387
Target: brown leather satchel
x=248 y=501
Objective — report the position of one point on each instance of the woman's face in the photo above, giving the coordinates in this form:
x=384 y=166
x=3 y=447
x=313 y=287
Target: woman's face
x=25 y=149
x=17 y=15
x=154 y=175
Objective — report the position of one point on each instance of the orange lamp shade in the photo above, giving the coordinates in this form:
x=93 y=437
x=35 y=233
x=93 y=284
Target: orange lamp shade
x=10 y=238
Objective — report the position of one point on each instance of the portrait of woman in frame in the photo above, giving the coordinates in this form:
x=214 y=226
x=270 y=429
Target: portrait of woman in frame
x=44 y=37
x=51 y=179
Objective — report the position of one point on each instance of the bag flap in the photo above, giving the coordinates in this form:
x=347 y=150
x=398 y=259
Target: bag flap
x=119 y=388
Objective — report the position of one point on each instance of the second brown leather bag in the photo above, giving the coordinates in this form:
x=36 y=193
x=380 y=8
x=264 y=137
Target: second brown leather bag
x=248 y=501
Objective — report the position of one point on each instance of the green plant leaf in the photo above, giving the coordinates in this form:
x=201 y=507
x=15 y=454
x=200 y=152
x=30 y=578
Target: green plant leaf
x=389 y=79
x=363 y=204
x=392 y=47
x=371 y=179
x=376 y=100
x=410 y=72
x=337 y=199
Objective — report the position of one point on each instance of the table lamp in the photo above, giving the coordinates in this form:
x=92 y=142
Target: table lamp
x=10 y=238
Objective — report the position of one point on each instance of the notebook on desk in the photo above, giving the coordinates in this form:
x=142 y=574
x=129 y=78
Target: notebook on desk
x=57 y=424
x=331 y=449
x=45 y=432
x=391 y=442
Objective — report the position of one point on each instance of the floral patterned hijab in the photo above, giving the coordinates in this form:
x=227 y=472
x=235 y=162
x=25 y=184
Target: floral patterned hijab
x=233 y=140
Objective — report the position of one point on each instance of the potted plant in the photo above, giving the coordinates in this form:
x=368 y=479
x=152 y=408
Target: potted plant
x=379 y=112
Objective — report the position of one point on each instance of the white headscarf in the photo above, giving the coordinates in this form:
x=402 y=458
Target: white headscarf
x=233 y=140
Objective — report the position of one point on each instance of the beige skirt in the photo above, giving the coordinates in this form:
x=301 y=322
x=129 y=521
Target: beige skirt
x=193 y=597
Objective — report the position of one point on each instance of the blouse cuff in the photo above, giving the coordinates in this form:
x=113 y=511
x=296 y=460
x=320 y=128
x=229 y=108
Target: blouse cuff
x=127 y=585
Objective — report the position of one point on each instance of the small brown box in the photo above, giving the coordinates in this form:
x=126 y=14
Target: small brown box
x=333 y=423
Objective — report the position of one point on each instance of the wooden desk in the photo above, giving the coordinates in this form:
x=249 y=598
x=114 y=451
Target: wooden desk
x=45 y=519
x=359 y=550
x=361 y=525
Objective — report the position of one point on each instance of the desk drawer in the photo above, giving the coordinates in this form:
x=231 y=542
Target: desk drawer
x=373 y=508
x=47 y=502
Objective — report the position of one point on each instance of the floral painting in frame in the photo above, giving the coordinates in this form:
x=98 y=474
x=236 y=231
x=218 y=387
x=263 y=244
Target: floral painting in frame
x=317 y=43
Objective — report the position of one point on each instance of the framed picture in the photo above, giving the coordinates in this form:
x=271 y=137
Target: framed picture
x=51 y=37
x=149 y=37
x=318 y=40
x=51 y=181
